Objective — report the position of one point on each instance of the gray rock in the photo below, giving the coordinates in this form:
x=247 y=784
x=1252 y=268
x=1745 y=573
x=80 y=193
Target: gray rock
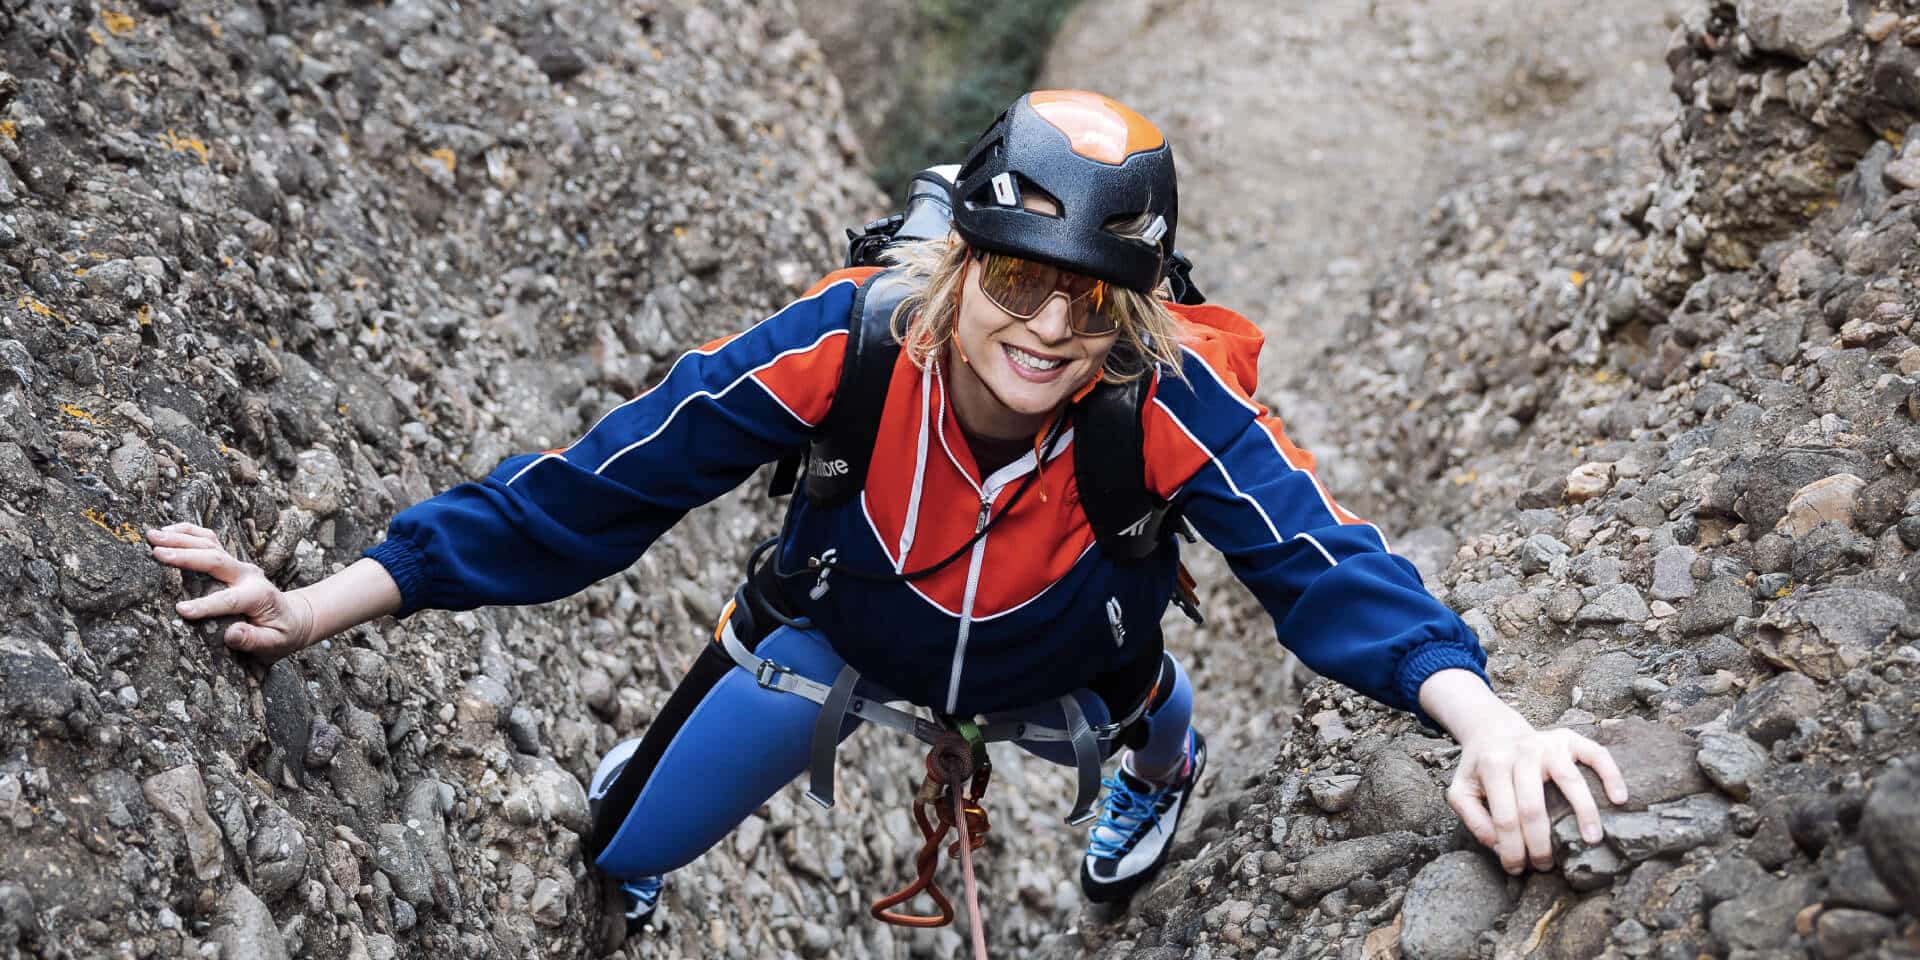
x=289 y=713
x=1762 y=918
x=1769 y=711
x=1618 y=603
x=118 y=795
x=33 y=685
x=524 y=730
x=181 y=795
x=1673 y=573
x=1539 y=551
x=1449 y=904
x=277 y=851
x=1852 y=882
x=1333 y=793
x=323 y=742
x=1665 y=829
x=400 y=852
x=320 y=482
x=1338 y=864
x=1732 y=762
x=1839 y=934
x=1719 y=602
x=99 y=572
x=1826 y=633
x=1798 y=28
x=546 y=792
x=1606 y=683
x=424 y=806
x=549 y=901
x=18 y=920
x=1595 y=569
x=1656 y=761
x=1890 y=830
x=1397 y=793
x=1585 y=867
x=247 y=928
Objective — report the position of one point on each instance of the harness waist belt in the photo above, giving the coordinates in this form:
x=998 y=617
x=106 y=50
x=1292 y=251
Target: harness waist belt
x=838 y=701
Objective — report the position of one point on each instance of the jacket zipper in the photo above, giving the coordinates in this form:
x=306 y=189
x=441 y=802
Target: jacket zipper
x=966 y=603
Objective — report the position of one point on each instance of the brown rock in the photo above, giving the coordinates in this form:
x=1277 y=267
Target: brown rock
x=182 y=796
x=1828 y=499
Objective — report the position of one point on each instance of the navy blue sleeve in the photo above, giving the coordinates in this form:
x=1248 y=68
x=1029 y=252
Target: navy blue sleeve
x=1339 y=599
x=544 y=526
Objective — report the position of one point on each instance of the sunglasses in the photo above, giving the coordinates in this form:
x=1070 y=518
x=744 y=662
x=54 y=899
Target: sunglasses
x=1021 y=287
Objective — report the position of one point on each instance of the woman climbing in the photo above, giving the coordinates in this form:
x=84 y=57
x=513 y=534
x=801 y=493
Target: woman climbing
x=964 y=552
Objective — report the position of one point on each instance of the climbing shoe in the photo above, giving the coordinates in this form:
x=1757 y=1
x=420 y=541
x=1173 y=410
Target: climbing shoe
x=641 y=895
x=1135 y=831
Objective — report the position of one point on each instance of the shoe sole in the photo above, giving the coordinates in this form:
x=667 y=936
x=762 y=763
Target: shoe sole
x=1105 y=891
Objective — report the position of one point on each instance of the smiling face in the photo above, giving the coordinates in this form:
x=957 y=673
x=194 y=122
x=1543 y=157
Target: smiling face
x=1009 y=374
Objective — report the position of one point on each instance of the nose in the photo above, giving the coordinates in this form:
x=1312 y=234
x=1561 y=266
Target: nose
x=1050 y=324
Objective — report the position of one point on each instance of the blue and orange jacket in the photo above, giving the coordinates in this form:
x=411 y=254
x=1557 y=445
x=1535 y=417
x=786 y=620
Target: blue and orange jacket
x=1034 y=610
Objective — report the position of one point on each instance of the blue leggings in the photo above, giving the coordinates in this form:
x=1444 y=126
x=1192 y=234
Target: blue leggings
x=723 y=744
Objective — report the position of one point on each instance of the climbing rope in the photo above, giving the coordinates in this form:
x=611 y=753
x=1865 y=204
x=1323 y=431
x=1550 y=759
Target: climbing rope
x=957 y=760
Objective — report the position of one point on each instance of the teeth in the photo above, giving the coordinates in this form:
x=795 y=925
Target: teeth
x=1030 y=361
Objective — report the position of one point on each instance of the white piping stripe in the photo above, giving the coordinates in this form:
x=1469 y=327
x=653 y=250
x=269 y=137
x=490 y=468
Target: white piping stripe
x=912 y=524
x=762 y=384
x=1217 y=465
x=715 y=395
x=536 y=462
x=1308 y=537
x=882 y=540
x=1334 y=510
x=676 y=365
x=1043 y=590
x=940 y=425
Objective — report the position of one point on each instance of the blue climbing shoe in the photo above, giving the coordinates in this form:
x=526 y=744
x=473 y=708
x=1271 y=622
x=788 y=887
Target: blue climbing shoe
x=1135 y=831
x=641 y=894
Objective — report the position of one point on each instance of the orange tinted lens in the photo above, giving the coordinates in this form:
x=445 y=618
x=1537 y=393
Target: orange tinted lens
x=1095 y=313
x=1016 y=285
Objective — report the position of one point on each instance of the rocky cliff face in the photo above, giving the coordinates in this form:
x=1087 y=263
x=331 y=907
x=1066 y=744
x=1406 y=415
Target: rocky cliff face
x=1642 y=397
x=281 y=271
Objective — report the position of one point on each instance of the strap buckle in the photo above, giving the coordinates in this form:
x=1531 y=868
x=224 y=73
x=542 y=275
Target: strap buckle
x=768 y=674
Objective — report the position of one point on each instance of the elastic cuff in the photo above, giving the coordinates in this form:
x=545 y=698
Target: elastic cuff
x=405 y=565
x=1428 y=660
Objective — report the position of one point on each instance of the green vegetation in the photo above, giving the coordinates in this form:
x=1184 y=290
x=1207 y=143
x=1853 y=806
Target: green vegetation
x=973 y=57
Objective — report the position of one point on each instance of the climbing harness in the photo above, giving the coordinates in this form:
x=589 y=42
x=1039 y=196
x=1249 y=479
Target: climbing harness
x=838 y=701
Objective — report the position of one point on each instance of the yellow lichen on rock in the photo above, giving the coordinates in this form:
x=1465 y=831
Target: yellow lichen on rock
x=117 y=23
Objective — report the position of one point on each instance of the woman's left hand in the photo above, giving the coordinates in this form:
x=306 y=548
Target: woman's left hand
x=1499 y=790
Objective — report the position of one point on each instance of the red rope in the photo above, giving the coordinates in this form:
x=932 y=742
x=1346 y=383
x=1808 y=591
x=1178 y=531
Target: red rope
x=974 y=919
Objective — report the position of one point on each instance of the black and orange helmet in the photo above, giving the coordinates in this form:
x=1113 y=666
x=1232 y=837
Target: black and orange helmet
x=1102 y=163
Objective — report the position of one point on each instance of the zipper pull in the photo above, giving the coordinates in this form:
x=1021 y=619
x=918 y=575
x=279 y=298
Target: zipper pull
x=986 y=507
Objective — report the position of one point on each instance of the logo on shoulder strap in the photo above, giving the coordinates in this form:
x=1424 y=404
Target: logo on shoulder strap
x=1137 y=527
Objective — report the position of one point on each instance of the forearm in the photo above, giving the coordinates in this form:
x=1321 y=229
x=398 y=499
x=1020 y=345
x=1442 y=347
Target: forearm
x=1463 y=704
x=349 y=598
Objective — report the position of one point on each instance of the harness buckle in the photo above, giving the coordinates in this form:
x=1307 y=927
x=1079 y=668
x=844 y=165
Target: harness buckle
x=768 y=674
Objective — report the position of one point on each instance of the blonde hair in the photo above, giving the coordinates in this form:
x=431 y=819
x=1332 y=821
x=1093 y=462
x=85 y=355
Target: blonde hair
x=1149 y=334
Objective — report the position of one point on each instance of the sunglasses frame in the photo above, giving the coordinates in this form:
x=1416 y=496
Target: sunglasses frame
x=1075 y=324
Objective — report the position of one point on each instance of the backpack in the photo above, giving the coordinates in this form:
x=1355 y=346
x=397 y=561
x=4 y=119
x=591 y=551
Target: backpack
x=1130 y=522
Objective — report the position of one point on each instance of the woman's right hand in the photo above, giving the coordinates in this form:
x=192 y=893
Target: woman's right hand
x=277 y=624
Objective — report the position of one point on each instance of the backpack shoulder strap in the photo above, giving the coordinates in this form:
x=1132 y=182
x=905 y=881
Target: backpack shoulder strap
x=837 y=459
x=1110 y=466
